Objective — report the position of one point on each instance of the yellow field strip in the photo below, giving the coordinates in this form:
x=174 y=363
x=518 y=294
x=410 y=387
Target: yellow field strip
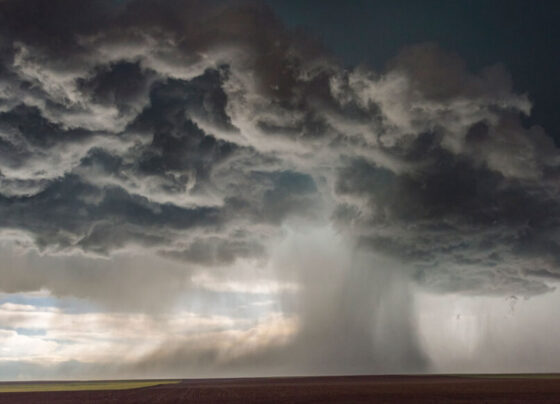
x=75 y=386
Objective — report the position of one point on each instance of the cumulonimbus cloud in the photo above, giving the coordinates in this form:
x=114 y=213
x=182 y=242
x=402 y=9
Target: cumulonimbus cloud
x=196 y=129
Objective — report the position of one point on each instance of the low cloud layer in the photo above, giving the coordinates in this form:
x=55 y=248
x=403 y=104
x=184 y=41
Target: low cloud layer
x=198 y=132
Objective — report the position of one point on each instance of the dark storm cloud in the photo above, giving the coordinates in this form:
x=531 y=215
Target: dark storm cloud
x=100 y=219
x=119 y=83
x=472 y=208
x=197 y=129
x=142 y=171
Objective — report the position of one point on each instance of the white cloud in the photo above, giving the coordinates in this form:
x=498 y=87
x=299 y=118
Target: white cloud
x=253 y=286
x=48 y=335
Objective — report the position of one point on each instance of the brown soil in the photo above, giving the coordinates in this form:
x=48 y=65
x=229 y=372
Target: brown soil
x=350 y=389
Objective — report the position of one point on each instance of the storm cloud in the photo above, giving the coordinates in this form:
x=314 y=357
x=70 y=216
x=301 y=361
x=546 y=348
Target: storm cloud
x=198 y=131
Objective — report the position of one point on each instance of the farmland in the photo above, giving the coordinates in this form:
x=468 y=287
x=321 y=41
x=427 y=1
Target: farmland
x=498 y=389
x=81 y=385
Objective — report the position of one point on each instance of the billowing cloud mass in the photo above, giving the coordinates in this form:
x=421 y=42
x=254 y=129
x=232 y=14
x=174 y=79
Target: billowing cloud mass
x=200 y=132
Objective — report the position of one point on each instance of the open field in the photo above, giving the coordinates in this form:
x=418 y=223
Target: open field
x=516 y=389
x=514 y=376
x=19 y=387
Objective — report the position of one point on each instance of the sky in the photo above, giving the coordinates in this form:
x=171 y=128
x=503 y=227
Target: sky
x=220 y=188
